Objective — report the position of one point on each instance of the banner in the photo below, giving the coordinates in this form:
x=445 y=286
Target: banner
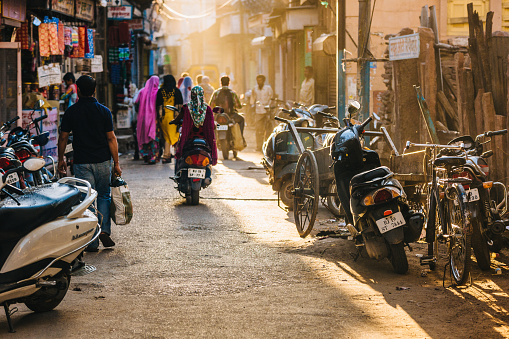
x=120 y=13
x=85 y=9
x=63 y=6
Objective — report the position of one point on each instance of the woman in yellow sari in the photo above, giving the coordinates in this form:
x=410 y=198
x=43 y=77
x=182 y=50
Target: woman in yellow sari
x=168 y=94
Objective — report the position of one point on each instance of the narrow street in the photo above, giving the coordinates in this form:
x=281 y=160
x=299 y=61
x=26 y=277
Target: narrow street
x=235 y=267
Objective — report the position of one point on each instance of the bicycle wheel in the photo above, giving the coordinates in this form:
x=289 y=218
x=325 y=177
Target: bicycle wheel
x=459 y=234
x=306 y=198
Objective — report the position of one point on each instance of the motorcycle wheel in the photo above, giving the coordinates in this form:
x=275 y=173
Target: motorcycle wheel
x=47 y=298
x=195 y=197
x=480 y=245
x=225 y=149
x=398 y=258
x=333 y=203
x=285 y=193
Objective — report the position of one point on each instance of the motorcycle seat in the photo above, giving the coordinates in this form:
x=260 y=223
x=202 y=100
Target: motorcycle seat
x=38 y=206
x=368 y=177
x=449 y=161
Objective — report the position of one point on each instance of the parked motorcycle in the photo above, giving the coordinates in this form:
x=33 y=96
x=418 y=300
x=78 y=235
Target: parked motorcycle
x=488 y=198
x=382 y=220
x=224 y=135
x=192 y=171
x=43 y=232
x=8 y=158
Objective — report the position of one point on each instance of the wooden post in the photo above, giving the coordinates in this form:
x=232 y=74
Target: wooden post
x=488 y=108
x=473 y=21
x=469 y=107
x=498 y=147
x=451 y=118
x=479 y=115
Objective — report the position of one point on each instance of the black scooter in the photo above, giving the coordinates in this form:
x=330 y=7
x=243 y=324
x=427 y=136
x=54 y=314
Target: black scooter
x=192 y=171
x=379 y=218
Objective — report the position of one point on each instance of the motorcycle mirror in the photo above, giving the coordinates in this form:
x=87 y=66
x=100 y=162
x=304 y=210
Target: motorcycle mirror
x=34 y=164
x=487 y=154
x=39 y=104
x=353 y=107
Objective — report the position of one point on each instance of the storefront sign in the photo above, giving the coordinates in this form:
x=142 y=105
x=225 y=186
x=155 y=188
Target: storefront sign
x=120 y=13
x=49 y=75
x=63 y=6
x=404 y=47
x=85 y=9
x=137 y=24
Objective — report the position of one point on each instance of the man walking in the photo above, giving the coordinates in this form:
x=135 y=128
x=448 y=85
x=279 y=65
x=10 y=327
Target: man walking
x=260 y=97
x=94 y=145
x=307 y=88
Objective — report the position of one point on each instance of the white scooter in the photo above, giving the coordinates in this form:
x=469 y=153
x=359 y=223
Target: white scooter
x=43 y=232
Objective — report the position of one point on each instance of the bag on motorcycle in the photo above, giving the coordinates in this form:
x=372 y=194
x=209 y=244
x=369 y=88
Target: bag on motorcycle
x=121 y=204
x=238 y=140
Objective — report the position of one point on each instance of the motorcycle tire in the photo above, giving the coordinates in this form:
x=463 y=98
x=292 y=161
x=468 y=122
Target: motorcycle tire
x=195 y=197
x=225 y=149
x=480 y=245
x=47 y=298
x=285 y=193
x=398 y=258
x=333 y=202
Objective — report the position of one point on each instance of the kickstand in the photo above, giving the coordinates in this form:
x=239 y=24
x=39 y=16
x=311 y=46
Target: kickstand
x=8 y=314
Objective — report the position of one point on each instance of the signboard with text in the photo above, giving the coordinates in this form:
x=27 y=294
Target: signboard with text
x=113 y=3
x=120 y=13
x=404 y=47
x=63 y=6
x=85 y=9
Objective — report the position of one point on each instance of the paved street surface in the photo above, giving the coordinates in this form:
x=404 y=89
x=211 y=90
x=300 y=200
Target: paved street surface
x=235 y=267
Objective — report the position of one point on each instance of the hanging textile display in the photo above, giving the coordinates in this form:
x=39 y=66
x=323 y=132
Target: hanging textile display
x=44 y=49
x=68 y=40
x=89 y=47
x=22 y=36
x=75 y=42
x=61 y=43
x=82 y=37
x=53 y=39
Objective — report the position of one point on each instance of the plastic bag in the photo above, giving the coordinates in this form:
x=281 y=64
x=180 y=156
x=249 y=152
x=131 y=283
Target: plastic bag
x=238 y=140
x=121 y=204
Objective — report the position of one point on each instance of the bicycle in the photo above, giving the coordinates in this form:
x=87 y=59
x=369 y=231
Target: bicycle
x=448 y=214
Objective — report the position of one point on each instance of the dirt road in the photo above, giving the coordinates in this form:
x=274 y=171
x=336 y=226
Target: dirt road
x=235 y=267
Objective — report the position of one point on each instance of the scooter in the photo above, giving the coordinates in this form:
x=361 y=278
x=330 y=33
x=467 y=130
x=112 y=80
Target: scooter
x=382 y=220
x=224 y=135
x=44 y=231
x=192 y=171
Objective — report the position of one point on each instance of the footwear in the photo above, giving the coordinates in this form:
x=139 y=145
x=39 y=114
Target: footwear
x=91 y=249
x=106 y=240
x=166 y=160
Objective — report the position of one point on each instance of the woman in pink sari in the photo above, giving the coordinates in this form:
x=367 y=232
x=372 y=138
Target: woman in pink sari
x=148 y=140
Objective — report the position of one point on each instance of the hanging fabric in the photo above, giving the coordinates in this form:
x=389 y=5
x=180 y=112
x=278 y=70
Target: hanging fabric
x=44 y=49
x=89 y=50
x=82 y=37
x=75 y=42
x=53 y=39
x=61 y=42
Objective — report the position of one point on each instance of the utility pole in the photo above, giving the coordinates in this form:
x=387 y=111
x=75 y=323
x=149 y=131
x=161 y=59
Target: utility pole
x=340 y=54
x=363 y=65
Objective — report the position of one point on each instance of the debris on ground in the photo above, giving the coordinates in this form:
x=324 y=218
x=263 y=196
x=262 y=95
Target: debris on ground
x=402 y=288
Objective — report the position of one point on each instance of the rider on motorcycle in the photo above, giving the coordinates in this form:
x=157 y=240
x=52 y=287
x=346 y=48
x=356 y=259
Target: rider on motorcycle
x=226 y=98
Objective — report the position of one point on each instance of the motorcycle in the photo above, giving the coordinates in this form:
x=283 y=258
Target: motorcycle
x=8 y=158
x=192 y=172
x=224 y=134
x=488 y=198
x=27 y=145
x=44 y=231
x=382 y=220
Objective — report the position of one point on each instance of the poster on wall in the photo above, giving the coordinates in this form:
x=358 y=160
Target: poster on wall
x=63 y=6
x=49 y=75
x=85 y=9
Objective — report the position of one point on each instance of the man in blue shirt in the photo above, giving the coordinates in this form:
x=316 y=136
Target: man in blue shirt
x=94 y=145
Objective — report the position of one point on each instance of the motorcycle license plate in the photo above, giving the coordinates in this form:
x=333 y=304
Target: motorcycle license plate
x=472 y=194
x=196 y=173
x=222 y=127
x=68 y=148
x=390 y=222
x=12 y=178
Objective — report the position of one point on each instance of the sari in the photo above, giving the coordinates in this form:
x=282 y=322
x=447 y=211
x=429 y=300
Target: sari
x=148 y=142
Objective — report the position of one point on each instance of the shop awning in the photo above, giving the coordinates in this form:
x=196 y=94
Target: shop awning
x=325 y=43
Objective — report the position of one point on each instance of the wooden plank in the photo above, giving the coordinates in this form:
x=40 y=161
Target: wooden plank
x=469 y=108
x=463 y=122
x=479 y=115
x=473 y=49
x=499 y=149
x=451 y=117
x=488 y=108
x=483 y=54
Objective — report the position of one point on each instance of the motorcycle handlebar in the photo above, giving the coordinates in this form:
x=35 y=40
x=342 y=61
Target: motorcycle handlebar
x=286 y=110
x=280 y=119
x=493 y=133
x=41 y=118
x=10 y=122
x=365 y=123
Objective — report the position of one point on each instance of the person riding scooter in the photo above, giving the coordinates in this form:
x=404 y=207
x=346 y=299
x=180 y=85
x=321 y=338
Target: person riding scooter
x=226 y=98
